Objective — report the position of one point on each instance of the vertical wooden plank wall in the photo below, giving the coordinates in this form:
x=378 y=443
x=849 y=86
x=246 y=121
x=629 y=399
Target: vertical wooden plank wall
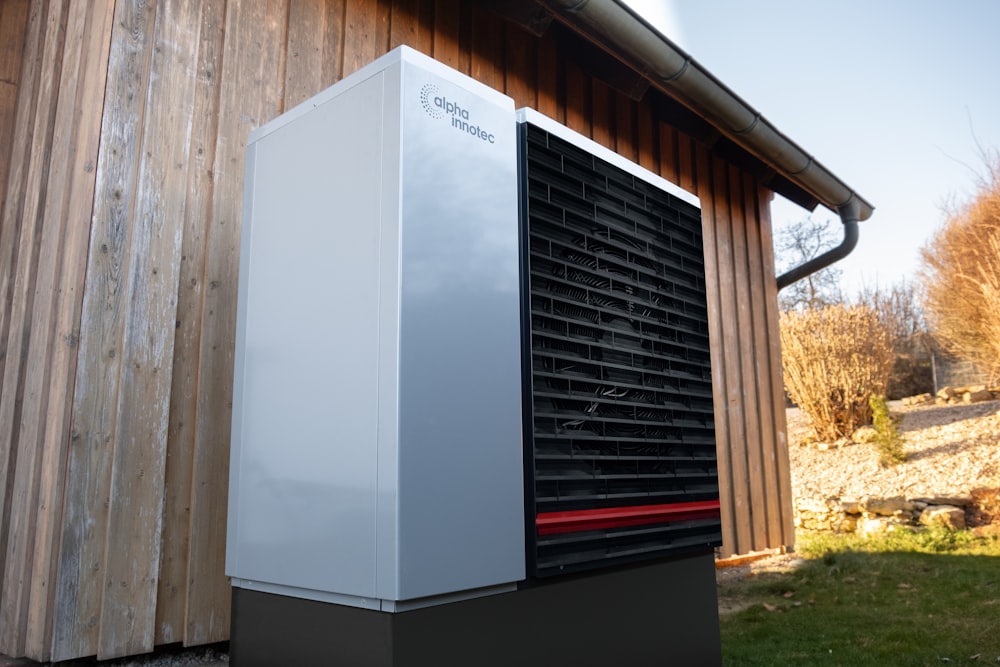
x=755 y=486
x=122 y=134
x=13 y=38
x=51 y=186
x=16 y=252
x=70 y=193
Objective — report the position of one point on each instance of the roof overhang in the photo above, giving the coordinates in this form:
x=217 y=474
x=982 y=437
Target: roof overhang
x=620 y=32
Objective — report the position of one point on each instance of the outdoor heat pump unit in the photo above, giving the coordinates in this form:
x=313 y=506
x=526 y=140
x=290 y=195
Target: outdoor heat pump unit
x=472 y=361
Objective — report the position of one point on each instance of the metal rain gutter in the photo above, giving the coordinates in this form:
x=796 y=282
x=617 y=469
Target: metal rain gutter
x=612 y=24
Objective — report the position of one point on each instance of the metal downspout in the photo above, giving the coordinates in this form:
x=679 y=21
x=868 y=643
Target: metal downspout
x=848 y=216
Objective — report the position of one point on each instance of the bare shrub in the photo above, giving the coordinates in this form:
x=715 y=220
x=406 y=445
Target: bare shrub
x=900 y=310
x=961 y=278
x=834 y=360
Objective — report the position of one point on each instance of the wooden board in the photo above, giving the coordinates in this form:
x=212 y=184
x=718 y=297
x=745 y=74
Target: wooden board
x=13 y=21
x=702 y=175
x=757 y=275
x=577 y=117
x=19 y=377
x=647 y=138
x=519 y=80
x=733 y=399
x=366 y=33
x=314 y=54
x=626 y=130
x=304 y=61
x=333 y=41
x=600 y=120
x=487 y=49
x=248 y=97
x=548 y=78
x=10 y=231
x=172 y=590
x=412 y=23
x=55 y=338
x=83 y=572
x=776 y=412
x=743 y=319
x=135 y=510
x=447 y=47
x=667 y=155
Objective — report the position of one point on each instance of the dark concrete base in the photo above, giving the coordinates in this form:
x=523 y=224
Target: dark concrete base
x=661 y=614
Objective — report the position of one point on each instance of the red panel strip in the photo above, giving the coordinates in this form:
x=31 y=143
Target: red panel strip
x=552 y=523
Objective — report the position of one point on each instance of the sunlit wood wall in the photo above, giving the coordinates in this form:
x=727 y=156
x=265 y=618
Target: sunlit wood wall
x=122 y=134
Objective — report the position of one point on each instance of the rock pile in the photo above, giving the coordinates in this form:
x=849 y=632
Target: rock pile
x=869 y=516
x=951 y=477
x=955 y=395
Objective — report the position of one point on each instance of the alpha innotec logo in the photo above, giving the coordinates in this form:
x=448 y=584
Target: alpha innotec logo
x=439 y=107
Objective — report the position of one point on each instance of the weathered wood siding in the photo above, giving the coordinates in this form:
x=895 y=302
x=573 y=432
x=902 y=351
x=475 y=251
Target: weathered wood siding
x=122 y=134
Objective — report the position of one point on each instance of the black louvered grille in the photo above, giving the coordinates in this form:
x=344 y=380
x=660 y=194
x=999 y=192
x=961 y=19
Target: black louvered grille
x=621 y=394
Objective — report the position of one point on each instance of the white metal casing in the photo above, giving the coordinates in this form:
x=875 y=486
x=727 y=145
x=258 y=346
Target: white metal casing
x=376 y=447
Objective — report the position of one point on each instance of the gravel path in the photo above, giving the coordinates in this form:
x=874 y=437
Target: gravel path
x=951 y=450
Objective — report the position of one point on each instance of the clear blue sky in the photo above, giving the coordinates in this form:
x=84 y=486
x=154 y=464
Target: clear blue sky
x=890 y=95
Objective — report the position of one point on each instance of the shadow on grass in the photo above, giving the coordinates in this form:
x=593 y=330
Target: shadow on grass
x=856 y=608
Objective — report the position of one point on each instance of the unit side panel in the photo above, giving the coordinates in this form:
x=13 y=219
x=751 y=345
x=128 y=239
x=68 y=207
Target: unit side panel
x=387 y=519
x=461 y=468
x=307 y=450
x=239 y=367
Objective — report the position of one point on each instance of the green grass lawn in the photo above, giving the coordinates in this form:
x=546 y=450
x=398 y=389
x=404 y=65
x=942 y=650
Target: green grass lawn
x=930 y=598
